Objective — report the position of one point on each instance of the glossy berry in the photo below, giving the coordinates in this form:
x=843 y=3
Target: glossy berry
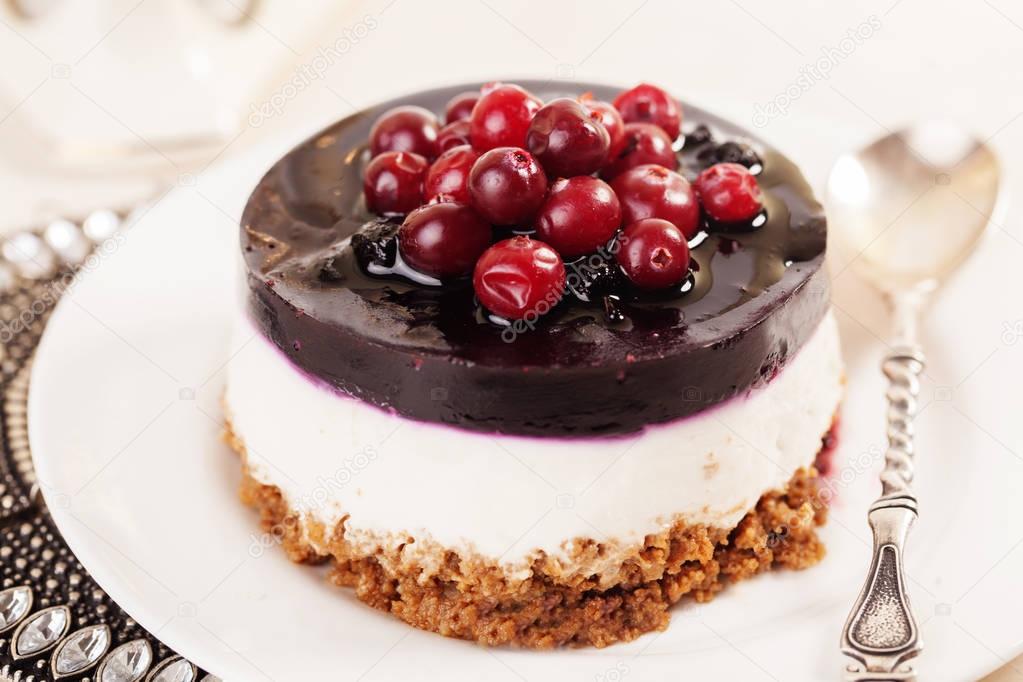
x=501 y=117
x=647 y=103
x=453 y=135
x=393 y=182
x=653 y=254
x=443 y=240
x=507 y=186
x=405 y=129
x=449 y=175
x=459 y=107
x=441 y=199
x=644 y=143
x=729 y=193
x=610 y=119
x=652 y=191
x=580 y=215
x=566 y=141
x=519 y=278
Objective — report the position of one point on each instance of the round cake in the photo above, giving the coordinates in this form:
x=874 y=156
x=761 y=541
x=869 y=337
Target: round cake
x=491 y=463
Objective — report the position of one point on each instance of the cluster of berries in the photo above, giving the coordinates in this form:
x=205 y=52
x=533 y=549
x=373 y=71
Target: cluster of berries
x=566 y=178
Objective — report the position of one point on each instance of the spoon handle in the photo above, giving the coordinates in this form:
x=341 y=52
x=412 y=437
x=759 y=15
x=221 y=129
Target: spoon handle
x=881 y=634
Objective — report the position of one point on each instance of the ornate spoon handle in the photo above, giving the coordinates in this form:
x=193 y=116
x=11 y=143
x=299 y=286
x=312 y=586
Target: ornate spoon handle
x=880 y=634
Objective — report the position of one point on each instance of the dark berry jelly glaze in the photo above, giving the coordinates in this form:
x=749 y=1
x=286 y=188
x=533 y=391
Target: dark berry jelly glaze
x=586 y=368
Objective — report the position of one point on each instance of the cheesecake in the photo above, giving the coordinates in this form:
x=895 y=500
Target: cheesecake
x=529 y=364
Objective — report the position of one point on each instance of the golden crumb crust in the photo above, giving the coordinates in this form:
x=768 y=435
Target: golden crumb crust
x=476 y=599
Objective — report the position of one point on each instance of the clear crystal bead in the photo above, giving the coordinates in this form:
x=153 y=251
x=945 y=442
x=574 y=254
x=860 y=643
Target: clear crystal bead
x=127 y=663
x=81 y=650
x=101 y=225
x=211 y=678
x=67 y=241
x=174 y=670
x=40 y=631
x=30 y=255
x=14 y=604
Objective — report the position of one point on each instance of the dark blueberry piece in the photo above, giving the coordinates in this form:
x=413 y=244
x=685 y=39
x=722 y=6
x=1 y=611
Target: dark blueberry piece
x=329 y=271
x=737 y=152
x=613 y=309
x=731 y=152
x=728 y=246
x=592 y=278
x=699 y=135
x=376 y=243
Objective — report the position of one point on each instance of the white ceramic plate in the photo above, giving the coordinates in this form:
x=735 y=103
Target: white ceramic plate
x=125 y=427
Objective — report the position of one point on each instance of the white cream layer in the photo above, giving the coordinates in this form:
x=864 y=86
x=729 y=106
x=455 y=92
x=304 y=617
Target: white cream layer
x=506 y=497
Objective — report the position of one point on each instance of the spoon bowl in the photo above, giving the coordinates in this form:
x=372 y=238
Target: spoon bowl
x=909 y=208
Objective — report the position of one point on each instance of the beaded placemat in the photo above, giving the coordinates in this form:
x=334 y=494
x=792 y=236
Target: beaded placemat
x=56 y=623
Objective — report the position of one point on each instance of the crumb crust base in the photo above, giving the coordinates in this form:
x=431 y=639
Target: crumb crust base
x=471 y=598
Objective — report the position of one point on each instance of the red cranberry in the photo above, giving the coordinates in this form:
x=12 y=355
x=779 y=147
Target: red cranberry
x=393 y=182
x=507 y=186
x=443 y=240
x=611 y=120
x=449 y=175
x=729 y=193
x=651 y=191
x=580 y=215
x=501 y=117
x=519 y=277
x=460 y=106
x=566 y=140
x=653 y=254
x=644 y=143
x=453 y=135
x=647 y=103
x=405 y=129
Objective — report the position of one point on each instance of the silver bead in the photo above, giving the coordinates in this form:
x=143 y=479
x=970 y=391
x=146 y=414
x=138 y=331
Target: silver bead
x=67 y=240
x=101 y=225
x=29 y=255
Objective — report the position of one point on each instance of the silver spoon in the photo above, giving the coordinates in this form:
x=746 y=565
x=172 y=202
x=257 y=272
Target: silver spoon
x=907 y=209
